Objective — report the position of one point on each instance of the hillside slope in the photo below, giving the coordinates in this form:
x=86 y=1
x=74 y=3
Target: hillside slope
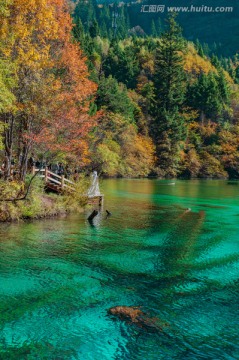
x=219 y=30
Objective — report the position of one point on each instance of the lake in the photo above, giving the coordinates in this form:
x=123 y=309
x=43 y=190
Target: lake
x=58 y=277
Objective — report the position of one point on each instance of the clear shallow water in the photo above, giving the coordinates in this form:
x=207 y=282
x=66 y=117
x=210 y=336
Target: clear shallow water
x=59 y=277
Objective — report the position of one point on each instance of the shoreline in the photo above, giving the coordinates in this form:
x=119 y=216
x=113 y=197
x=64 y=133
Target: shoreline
x=48 y=206
x=41 y=206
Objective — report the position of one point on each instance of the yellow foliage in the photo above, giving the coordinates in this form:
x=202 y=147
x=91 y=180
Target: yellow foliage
x=208 y=129
x=195 y=64
x=146 y=60
x=190 y=115
x=28 y=30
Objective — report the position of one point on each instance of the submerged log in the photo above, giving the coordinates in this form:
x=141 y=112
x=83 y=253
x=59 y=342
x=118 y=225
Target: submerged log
x=136 y=316
x=92 y=215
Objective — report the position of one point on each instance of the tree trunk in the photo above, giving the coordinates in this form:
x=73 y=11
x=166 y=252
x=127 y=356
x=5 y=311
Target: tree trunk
x=8 y=142
x=25 y=142
x=24 y=162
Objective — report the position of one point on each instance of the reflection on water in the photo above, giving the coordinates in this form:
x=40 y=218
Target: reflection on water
x=59 y=277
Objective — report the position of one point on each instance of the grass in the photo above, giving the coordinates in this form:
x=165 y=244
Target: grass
x=38 y=203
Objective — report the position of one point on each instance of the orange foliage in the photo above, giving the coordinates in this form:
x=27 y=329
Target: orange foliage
x=71 y=122
x=54 y=91
x=208 y=129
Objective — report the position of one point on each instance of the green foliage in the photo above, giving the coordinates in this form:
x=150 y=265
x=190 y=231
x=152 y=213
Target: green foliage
x=169 y=82
x=210 y=94
x=10 y=190
x=121 y=151
x=6 y=83
x=38 y=204
x=114 y=98
x=94 y=29
x=169 y=85
x=109 y=159
x=153 y=29
x=174 y=94
x=168 y=159
x=148 y=85
x=213 y=38
x=14 y=210
x=74 y=200
x=4 y=7
x=122 y=63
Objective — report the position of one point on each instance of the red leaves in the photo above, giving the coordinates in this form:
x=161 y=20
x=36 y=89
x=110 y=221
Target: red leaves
x=68 y=123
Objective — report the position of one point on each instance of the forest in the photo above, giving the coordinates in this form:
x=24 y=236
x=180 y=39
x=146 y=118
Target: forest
x=81 y=84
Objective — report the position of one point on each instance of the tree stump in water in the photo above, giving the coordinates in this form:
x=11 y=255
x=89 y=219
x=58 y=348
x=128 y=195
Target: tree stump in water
x=92 y=215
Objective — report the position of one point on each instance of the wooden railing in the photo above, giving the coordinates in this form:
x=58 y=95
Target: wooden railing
x=50 y=177
x=60 y=182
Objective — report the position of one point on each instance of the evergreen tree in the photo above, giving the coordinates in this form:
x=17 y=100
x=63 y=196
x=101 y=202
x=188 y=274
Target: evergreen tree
x=122 y=63
x=206 y=49
x=113 y=97
x=86 y=12
x=237 y=74
x=215 y=61
x=122 y=29
x=159 y=26
x=127 y=21
x=169 y=83
x=104 y=30
x=199 y=48
x=154 y=32
x=213 y=103
x=94 y=28
x=78 y=30
x=207 y=95
x=224 y=88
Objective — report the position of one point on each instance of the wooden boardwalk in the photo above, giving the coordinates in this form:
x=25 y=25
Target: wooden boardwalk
x=54 y=181
x=59 y=183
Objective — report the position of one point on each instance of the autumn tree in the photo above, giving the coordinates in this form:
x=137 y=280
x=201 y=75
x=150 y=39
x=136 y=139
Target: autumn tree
x=52 y=92
x=119 y=150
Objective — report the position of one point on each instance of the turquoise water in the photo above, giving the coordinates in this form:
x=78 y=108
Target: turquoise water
x=59 y=277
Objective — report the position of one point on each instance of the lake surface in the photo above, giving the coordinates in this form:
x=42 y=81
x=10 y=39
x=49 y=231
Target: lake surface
x=59 y=277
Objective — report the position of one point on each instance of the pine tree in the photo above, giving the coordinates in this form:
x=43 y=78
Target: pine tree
x=94 y=29
x=224 y=88
x=159 y=26
x=127 y=18
x=78 y=30
x=213 y=104
x=123 y=64
x=215 y=61
x=209 y=94
x=237 y=74
x=199 y=48
x=169 y=83
x=114 y=98
x=103 y=30
x=154 y=32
